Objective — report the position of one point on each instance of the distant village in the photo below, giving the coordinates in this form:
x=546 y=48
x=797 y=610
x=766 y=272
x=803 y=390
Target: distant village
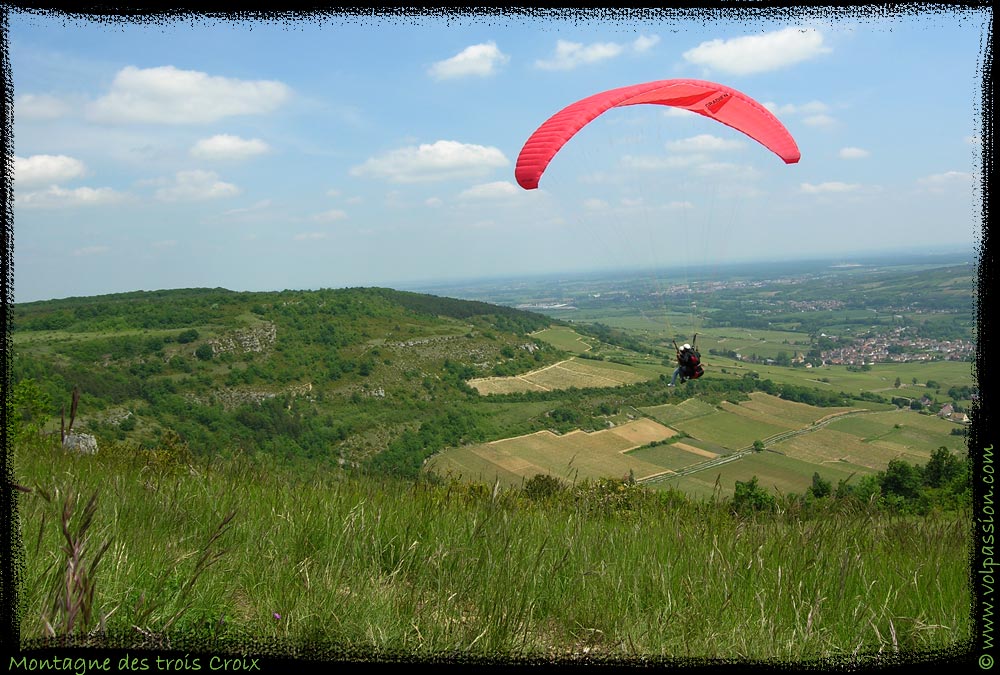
x=895 y=347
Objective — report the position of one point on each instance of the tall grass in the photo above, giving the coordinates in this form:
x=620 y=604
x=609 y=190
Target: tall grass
x=244 y=550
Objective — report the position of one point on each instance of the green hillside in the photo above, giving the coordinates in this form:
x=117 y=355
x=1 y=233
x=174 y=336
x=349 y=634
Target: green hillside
x=327 y=374
x=384 y=380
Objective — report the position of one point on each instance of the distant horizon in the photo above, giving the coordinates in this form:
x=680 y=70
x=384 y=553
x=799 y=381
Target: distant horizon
x=832 y=258
x=427 y=285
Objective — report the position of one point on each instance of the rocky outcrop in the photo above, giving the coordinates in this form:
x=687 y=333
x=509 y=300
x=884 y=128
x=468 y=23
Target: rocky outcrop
x=82 y=443
x=233 y=398
x=258 y=338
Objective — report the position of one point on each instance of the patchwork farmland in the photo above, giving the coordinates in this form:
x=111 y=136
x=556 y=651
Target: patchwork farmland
x=573 y=372
x=703 y=450
x=570 y=456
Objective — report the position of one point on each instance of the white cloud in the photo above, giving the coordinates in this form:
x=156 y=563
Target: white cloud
x=569 y=55
x=831 y=186
x=976 y=140
x=940 y=182
x=732 y=171
x=167 y=95
x=330 y=216
x=46 y=169
x=594 y=204
x=853 y=153
x=165 y=243
x=819 y=121
x=39 y=106
x=493 y=190
x=676 y=206
x=644 y=43
x=310 y=236
x=253 y=208
x=57 y=197
x=759 y=53
x=479 y=60
x=814 y=112
x=433 y=202
x=485 y=224
x=196 y=185
x=704 y=143
x=91 y=250
x=810 y=108
x=225 y=146
x=433 y=162
x=668 y=162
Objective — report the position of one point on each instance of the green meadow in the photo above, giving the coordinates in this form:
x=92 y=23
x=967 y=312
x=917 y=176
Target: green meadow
x=565 y=338
x=154 y=550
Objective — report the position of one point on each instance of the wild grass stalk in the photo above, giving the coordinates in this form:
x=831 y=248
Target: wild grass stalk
x=70 y=604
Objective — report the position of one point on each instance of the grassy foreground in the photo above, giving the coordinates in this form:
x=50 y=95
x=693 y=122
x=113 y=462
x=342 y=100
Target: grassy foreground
x=240 y=549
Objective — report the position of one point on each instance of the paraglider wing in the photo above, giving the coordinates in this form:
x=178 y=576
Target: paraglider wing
x=716 y=101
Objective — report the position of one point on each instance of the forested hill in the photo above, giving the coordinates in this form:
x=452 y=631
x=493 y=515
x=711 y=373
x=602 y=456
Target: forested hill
x=178 y=308
x=341 y=371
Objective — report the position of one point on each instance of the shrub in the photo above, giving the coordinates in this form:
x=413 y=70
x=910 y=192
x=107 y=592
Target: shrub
x=542 y=486
x=749 y=496
x=186 y=336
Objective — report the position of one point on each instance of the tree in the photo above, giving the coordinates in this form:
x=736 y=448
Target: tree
x=898 y=383
x=563 y=414
x=28 y=408
x=205 y=352
x=820 y=487
x=749 y=496
x=901 y=479
x=758 y=446
x=942 y=468
x=864 y=490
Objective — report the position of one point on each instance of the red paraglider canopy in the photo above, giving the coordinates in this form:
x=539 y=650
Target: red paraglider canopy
x=716 y=101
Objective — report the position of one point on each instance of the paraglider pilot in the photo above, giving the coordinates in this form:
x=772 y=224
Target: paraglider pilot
x=688 y=365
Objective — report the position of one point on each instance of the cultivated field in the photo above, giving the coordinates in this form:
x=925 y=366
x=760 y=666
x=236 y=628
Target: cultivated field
x=777 y=473
x=687 y=409
x=573 y=372
x=674 y=456
x=800 y=440
x=881 y=378
x=781 y=412
x=564 y=338
x=570 y=456
x=873 y=440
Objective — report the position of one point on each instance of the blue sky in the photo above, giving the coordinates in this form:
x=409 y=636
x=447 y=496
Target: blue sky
x=300 y=154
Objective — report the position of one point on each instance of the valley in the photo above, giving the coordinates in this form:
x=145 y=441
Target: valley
x=406 y=382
